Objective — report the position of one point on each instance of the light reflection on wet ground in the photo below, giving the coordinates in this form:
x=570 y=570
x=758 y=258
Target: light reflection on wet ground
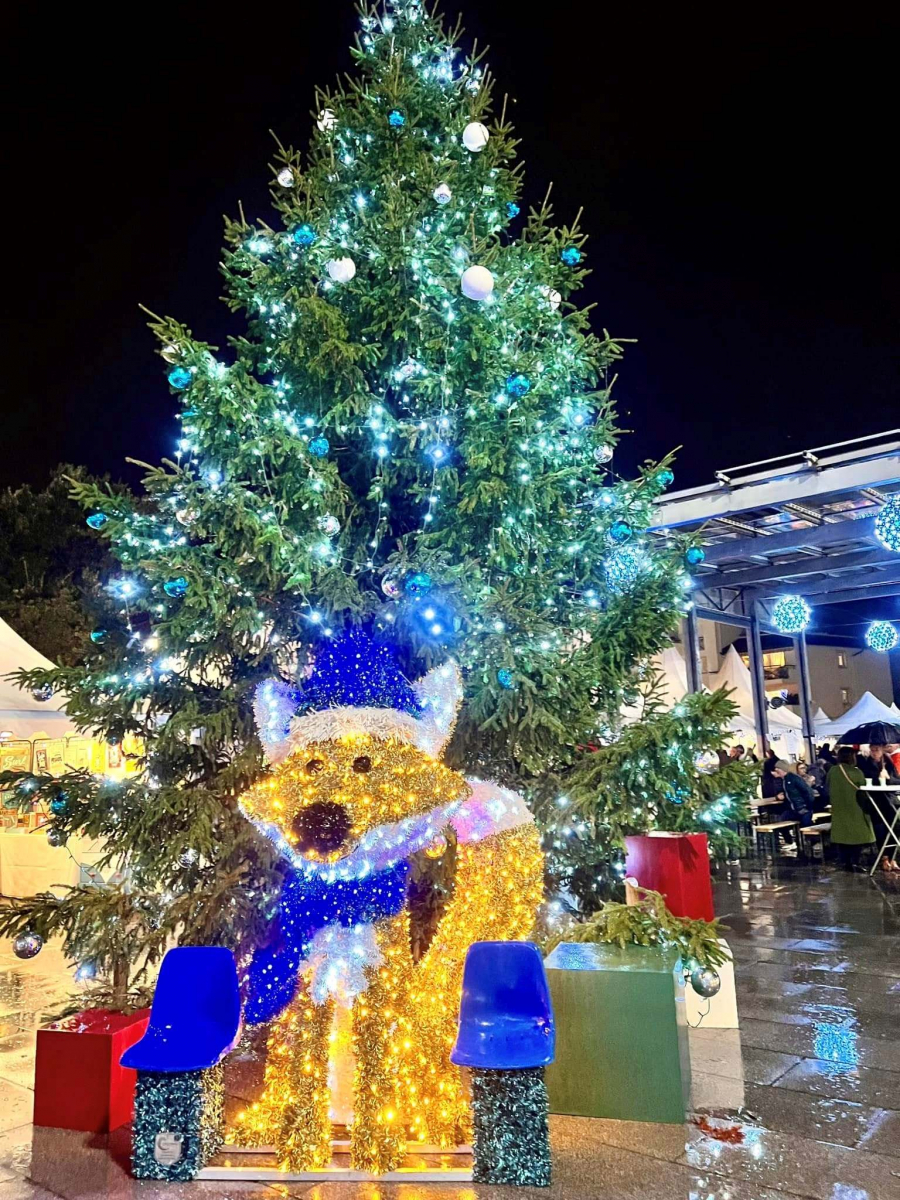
x=803 y=1101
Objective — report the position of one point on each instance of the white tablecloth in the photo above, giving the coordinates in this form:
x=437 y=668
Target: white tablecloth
x=29 y=864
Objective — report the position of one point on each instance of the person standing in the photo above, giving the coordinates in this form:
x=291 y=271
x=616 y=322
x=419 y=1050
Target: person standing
x=876 y=761
x=851 y=826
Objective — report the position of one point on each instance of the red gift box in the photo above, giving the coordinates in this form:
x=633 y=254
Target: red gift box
x=78 y=1082
x=677 y=865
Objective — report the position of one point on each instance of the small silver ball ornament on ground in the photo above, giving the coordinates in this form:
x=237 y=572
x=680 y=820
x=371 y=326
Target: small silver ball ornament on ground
x=475 y=136
x=28 y=944
x=705 y=982
x=442 y=194
x=477 y=283
x=341 y=270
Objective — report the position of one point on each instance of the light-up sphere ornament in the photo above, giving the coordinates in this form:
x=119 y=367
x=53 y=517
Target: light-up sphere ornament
x=341 y=270
x=326 y=121
x=285 y=177
x=791 y=614
x=98 y=636
x=571 y=256
x=882 y=637
x=705 y=982
x=623 y=567
x=418 y=584
x=97 y=520
x=303 y=235
x=319 y=447
x=694 y=555
x=475 y=136
x=518 y=385
x=603 y=453
x=42 y=692
x=179 y=378
x=887 y=524
x=477 y=283
x=28 y=944
x=396 y=119
x=620 y=531
x=176 y=588
x=329 y=525
x=512 y=209
x=442 y=194
x=551 y=295
x=506 y=678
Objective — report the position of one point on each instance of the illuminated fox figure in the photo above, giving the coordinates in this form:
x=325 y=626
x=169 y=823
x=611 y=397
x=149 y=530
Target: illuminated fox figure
x=356 y=789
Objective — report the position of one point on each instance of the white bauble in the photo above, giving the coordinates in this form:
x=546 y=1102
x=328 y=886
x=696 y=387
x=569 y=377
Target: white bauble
x=326 y=121
x=285 y=177
x=551 y=295
x=171 y=353
x=475 y=136
x=341 y=270
x=477 y=283
x=442 y=194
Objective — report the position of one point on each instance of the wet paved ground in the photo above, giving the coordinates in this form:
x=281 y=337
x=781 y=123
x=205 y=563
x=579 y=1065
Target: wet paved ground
x=808 y=1089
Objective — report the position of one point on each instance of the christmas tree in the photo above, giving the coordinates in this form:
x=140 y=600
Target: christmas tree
x=416 y=434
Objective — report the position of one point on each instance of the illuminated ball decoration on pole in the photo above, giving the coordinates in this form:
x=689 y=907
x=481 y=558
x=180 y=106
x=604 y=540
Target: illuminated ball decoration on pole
x=887 y=524
x=791 y=614
x=882 y=637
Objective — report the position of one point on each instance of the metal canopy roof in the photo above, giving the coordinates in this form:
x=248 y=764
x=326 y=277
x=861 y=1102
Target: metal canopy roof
x=801 y=523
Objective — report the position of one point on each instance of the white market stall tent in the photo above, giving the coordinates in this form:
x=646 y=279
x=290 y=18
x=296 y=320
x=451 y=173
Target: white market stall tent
x=785 y=727
x=21 y=715
x=867 y=708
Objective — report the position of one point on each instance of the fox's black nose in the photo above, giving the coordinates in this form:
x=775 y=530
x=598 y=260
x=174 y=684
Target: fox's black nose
x=321 y=828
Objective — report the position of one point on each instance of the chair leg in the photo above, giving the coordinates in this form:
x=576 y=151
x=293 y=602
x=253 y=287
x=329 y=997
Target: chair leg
x=178 y=1122
x=512 y=1142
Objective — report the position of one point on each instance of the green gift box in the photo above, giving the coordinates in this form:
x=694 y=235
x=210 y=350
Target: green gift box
x=621 y=1033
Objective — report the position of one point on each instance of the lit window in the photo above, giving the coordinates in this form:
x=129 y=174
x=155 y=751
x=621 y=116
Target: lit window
x=845 y=697
x=842 y=659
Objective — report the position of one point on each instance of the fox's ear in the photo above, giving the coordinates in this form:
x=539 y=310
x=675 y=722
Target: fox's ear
x=440 y=693
x=274 y=704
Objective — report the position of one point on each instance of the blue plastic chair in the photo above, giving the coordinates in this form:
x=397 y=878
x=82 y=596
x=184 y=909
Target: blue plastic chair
x=196 y=1015
x=506 y=1018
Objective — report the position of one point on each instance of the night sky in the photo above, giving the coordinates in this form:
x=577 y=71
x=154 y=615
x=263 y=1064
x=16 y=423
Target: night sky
x=737 y=181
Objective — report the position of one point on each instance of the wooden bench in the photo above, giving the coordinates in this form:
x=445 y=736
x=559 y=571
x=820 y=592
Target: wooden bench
x=811 y=835
x=769 y=833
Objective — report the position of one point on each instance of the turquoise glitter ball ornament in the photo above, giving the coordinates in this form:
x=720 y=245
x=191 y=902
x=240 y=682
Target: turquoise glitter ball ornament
x=882 y=637
x=694 y=555
x=665 y=478
x=512 y=209
x=304 y=235
x=97 y=520
x=319 y=447
x=887 y=524
x=396 y=119
x=59 y=804
x=571 y=256
x=176 y=588
x=518 y=384
x=620 y=531
x=180 y=378
x=506 y=678
x=418 y=584
x=98 y=636
x=623 y=567
x=791 y=614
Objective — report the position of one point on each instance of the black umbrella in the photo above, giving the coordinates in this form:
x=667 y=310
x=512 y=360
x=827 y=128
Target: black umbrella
x=874 y=733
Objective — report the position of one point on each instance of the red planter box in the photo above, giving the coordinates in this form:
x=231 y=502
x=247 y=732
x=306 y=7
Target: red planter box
x=78 y=1082
x=676 y=864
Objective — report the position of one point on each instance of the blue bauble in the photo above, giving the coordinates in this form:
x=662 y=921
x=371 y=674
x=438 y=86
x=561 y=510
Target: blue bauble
x=176 y=588
x=506 y=678
x=620 y=531
x=319 y=447
x=396 y=119
x=98 y=636
x=97 y=520
x=42 y=692
x=304 y=235
x=59 y=804
x=180 y=378
x=665 y=478
x=518 y=384
x=571 y=256
x=418 y=584
x=512 y=209
x=694 y=555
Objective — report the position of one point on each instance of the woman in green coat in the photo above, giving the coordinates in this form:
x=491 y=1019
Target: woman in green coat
x=851 y=826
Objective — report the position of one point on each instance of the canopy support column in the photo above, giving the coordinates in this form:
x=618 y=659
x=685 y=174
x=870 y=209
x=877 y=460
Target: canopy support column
x=692 y=651
x=806 y=713
x=757 y=679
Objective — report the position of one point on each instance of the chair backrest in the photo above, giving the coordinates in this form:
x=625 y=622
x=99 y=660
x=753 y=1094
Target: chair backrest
x=197 y=984
x=504 y=979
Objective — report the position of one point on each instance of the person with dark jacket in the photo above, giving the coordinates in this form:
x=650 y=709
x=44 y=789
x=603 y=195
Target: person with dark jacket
x=796 y=791
x=876 y=761
x=770 y=785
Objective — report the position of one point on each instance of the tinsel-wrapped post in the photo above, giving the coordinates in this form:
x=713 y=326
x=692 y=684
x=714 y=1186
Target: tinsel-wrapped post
x=178 y=1122
x=507 y=1036
x=511 y=1140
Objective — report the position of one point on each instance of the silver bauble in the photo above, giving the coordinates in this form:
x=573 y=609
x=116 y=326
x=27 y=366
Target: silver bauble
x=442 y=194
x=390 y=586
x=705 y=982
x=329 y=525
x=603 y=453
x=28 y=944
x=56 y=837
x=285 y=177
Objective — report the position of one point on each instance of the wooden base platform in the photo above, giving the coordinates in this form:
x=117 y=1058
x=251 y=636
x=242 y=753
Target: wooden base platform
x=423 y=1164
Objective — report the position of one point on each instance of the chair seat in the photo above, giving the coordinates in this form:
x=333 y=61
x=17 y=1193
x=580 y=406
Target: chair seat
x=508 y=1043
x=506 y=1018
x=179 y=1049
